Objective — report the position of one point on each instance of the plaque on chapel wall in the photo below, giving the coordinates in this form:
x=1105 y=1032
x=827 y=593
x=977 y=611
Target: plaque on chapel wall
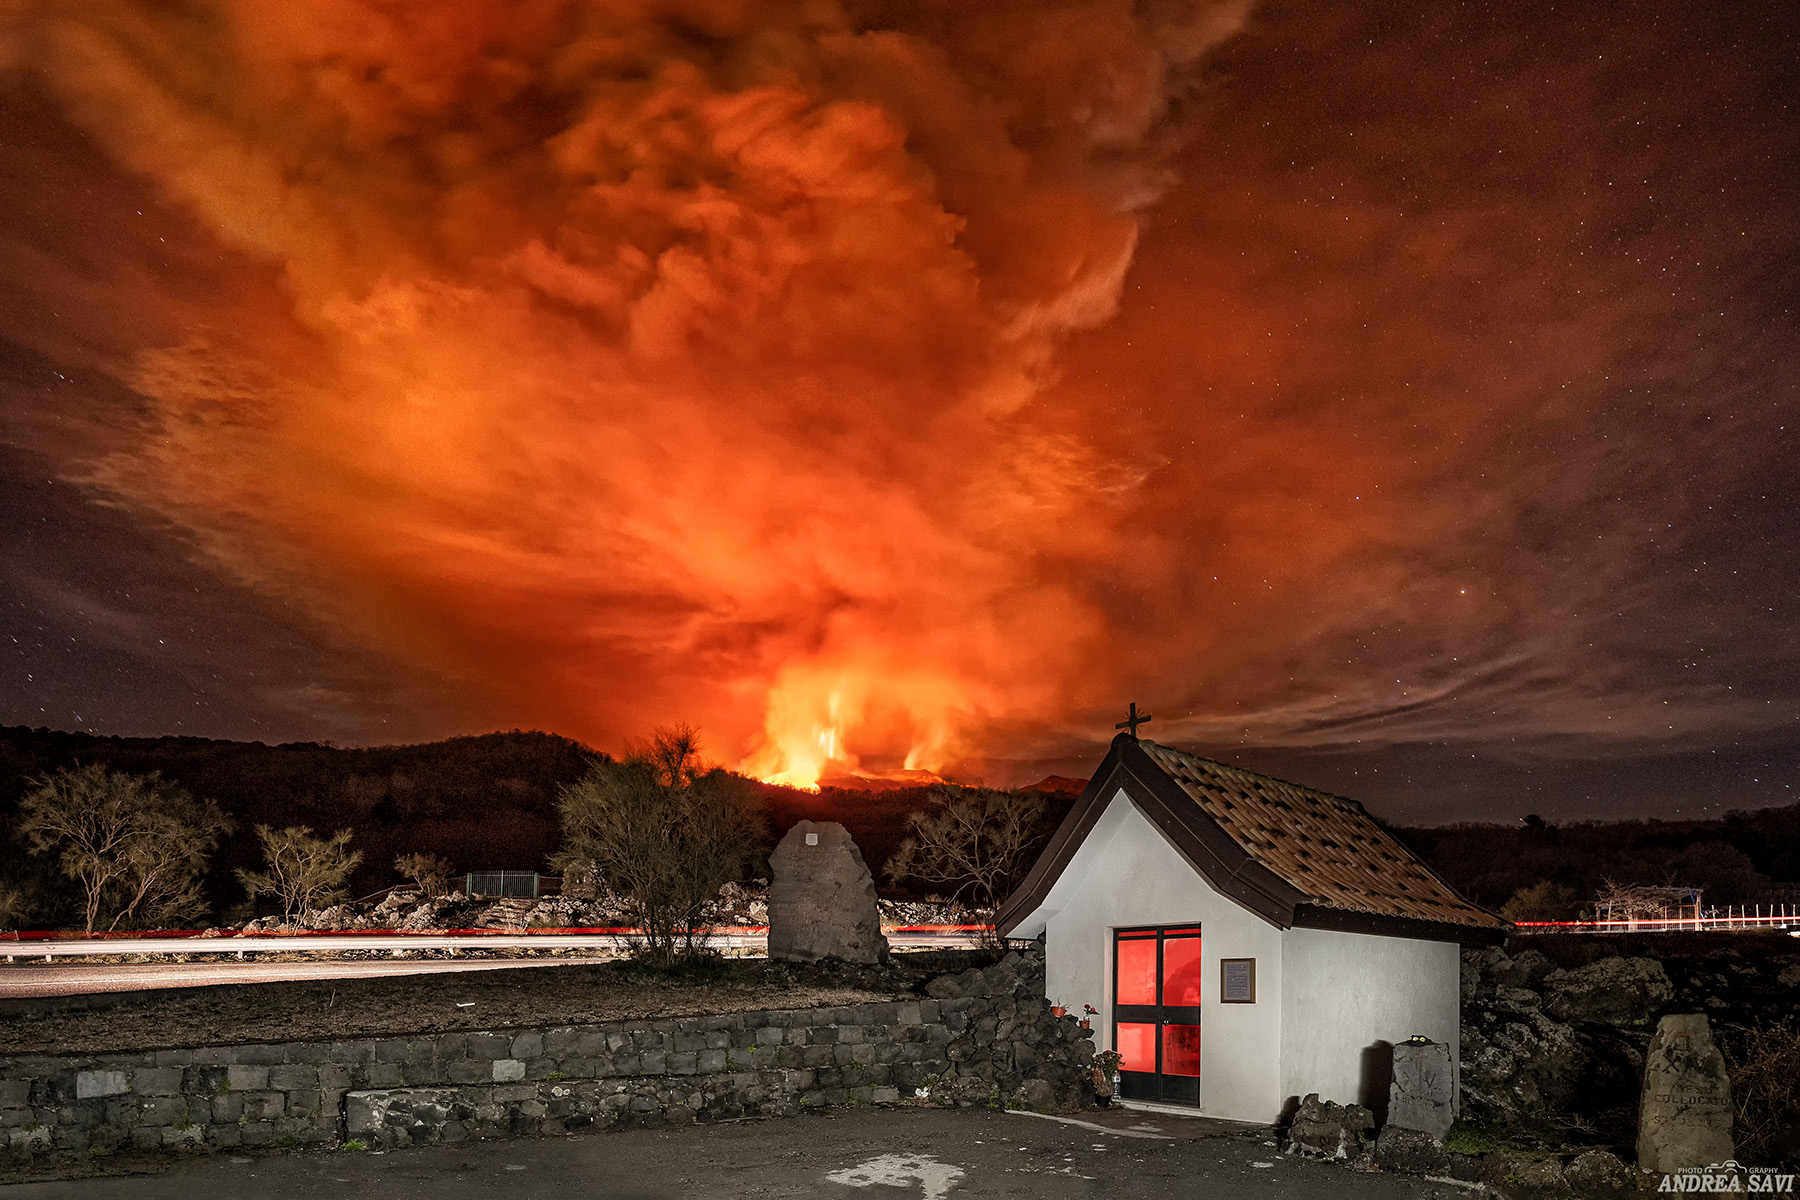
x=1237 y=980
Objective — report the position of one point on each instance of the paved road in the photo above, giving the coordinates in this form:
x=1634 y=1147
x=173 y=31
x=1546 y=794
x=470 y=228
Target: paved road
x=80 y=979
x=853 y=1154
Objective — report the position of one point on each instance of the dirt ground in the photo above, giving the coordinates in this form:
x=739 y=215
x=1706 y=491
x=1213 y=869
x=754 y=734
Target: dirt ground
x=580 y=993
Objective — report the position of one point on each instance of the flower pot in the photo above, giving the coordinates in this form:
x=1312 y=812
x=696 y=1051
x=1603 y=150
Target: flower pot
x=1057 y=1010
x=1087 y=1023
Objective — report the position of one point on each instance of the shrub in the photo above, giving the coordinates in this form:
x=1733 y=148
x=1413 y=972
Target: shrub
x=1763 y=1062
x=430 y=873
x=666 y=832
x=305 y=872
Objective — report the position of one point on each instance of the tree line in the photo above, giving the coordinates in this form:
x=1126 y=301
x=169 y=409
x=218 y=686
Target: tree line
x=659 y=827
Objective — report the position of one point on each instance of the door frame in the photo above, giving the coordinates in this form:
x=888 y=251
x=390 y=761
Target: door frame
x=1153 y=1085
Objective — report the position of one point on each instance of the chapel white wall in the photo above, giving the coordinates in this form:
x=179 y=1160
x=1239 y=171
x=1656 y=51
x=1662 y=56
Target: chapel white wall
x=1345 y=992
x=1127 y=873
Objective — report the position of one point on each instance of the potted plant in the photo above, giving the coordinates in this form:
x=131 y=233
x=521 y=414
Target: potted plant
x=1087 y=1022
x=1057 y=1010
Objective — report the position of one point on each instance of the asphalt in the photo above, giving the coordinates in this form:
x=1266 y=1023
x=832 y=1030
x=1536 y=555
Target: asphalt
x=848 y=1154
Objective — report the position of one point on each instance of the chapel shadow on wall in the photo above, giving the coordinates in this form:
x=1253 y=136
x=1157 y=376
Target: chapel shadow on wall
x=1377 y=1078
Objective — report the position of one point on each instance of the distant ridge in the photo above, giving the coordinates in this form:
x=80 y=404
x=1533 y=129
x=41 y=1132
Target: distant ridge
x=1058 y=785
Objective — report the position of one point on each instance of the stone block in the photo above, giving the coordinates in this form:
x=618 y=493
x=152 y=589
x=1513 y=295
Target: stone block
x=263 y=1106
x=350 y=1053
x=162 y=1110
x=1423 y=1090
x=16 y=1093
x=489 y=1046
x=561 y=1043
x=527 y=1045
x=183 y=1135
x=1685 y=1112
x=822 y=898
x=89 y=1084
x=154 y=1081
x=508 y=1070
x=469 y=1071
x=260 y=1056
x=305 y=1104
x=293 y=1077
x=242 y=1078
x=306 y=1052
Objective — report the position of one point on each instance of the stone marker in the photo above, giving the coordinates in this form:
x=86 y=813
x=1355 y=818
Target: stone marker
x=1424 y=1086
x=1684 y=1118
x=822 y=898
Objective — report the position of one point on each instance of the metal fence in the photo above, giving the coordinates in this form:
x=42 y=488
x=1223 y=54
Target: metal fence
x=522 y=884
x=1742 y=918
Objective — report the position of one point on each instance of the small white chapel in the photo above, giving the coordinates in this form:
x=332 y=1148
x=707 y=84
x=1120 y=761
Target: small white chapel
x=1245 y=941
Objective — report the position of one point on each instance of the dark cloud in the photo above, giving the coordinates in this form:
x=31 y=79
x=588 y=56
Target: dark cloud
x=837 y=379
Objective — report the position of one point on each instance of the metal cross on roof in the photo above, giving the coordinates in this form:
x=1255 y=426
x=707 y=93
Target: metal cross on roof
x=1132 y=721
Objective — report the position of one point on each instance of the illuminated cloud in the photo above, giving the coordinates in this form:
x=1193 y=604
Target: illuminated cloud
x=908 y=386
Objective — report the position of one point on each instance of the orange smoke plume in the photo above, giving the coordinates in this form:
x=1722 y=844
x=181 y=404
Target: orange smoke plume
x=675 y=355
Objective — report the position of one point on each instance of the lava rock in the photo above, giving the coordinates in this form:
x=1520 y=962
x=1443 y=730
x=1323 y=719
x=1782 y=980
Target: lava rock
x=1323 y=1129
x=1412 y=1151
x=1613 y=991
x=1600 y=1175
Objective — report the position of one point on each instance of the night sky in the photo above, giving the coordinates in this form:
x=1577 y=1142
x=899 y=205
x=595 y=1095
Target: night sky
x=1396 y=398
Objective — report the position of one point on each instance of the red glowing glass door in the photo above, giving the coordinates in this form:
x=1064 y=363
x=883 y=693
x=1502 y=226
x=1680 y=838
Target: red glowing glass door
x=1156 y=1012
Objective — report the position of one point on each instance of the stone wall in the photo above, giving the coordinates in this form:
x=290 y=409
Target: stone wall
x=981 y=1037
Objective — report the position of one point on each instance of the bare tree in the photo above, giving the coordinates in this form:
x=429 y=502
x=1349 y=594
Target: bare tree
x=305 y=872
x=976 y=839
x=666 y=832
x=431 y=873
x=136 y=843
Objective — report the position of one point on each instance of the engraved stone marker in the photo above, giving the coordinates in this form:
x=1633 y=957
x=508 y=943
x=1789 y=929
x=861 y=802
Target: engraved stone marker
x=1684 y=1118
x=822 y=898
x=1423 y=1089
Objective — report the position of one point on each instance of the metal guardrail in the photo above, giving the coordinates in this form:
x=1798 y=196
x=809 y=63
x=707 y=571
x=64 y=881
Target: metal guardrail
x=50 y=946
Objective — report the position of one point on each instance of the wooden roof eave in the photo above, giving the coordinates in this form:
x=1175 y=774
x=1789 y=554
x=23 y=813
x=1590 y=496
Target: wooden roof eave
x=1224 y=864
x=1343 y=920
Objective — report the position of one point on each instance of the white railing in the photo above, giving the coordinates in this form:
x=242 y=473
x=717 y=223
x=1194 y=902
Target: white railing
x=1746 y=918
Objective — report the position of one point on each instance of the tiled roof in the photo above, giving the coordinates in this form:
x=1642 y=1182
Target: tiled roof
x=1324 y=845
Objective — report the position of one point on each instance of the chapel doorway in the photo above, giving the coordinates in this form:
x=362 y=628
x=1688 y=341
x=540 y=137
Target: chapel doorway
x=1156 y=1012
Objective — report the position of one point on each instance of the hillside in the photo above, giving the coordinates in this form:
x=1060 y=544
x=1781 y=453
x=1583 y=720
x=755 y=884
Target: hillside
x=486 y=802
